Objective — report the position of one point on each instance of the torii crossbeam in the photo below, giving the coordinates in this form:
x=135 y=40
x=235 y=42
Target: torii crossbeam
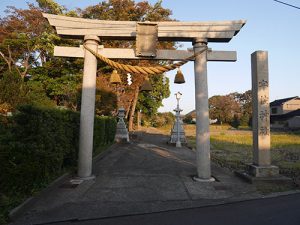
x=92 y=31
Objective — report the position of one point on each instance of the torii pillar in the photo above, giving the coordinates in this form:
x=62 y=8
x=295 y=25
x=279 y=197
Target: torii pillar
x=87 y=114
x=202 y=113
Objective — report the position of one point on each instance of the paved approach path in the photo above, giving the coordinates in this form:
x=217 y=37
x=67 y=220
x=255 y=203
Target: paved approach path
x=275 y=211
x=144 y=176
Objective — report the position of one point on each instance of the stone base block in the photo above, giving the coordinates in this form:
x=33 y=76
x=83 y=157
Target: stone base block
x=274 y=180
x=263 y=171
x=122 y=138
x=92 y=177
x=204 y=180
x=264 y=175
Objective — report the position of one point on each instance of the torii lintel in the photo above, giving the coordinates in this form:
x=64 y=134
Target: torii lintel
x=222 y=31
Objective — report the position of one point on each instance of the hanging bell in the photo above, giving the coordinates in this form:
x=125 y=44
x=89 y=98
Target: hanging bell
x=146 y=86
x=179 y=78
x=115 y=77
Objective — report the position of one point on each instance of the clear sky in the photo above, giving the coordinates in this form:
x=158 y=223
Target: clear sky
x=270 y=26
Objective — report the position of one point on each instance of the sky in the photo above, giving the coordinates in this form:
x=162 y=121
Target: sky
x=270 y=26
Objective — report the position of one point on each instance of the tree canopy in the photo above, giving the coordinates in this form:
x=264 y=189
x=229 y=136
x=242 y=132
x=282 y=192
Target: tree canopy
x=26 y=49
x=234 y=108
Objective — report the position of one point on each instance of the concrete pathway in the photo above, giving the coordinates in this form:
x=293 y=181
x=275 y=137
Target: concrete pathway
x=144 y=176
x=275 y=211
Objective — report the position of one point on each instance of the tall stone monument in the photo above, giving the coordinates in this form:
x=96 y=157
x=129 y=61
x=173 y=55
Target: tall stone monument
x=261 y=166
x=261 y=170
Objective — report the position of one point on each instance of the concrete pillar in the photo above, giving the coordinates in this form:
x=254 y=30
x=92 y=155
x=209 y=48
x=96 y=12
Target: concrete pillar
x=202 y=114
x=261 y=116
x=87 y=109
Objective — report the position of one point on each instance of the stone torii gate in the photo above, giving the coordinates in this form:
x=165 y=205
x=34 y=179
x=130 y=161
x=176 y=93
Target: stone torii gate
x=93 y=31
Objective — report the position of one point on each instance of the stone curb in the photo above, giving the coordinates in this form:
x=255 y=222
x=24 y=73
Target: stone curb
x=20 y=209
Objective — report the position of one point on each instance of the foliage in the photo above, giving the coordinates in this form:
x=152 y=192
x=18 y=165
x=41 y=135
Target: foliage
x=149 y=102
x=50 y=6
x=128 y=10
x=234 y=108
x=27 y=48
x=45 y=138
x=25 y=39
x=12 y=91
x=15 y=91
x=27 y=42
x=223 y=108
x=245 y=102
x=235 y=122
x=39 y=143
x=106 y=97
x=188 y=119
x=159 y=119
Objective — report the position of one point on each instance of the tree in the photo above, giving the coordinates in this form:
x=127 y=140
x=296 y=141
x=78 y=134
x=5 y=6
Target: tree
x=50 y=6
x=11 y=93
x=188 y=119
x=27 y=43
x=245 y=103
x=223 y=108
x=149 y=102
x=15 y=91
x=235 y=121
x=128 y=10
x=25 y=39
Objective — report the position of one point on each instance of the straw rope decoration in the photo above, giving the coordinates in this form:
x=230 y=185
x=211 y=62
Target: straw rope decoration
x=142 y=69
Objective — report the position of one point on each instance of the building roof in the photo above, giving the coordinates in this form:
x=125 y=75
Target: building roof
x=286 y=115
x=281 y=101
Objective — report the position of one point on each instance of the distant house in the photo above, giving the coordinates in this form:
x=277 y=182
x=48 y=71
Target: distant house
x=285 y=113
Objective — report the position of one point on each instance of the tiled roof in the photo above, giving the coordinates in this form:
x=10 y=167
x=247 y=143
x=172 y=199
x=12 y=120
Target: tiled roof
x=281 y=101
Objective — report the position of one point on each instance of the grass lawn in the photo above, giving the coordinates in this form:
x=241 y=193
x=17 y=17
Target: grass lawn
x=233 y=148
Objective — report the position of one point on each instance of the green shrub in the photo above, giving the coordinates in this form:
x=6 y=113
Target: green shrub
x=40 y=144
x=159 y=119
x=235 y=122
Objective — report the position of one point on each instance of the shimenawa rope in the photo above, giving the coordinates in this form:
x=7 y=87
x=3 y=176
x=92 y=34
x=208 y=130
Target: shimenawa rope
x=142 y=69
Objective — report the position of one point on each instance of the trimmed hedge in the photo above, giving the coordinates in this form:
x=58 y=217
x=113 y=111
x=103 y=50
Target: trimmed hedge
x=40 y=143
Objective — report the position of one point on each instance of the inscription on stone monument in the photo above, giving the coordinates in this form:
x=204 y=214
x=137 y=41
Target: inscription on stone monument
x=261 y=108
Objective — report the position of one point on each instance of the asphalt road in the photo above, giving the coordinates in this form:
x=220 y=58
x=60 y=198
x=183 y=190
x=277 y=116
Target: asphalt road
x=283 y=210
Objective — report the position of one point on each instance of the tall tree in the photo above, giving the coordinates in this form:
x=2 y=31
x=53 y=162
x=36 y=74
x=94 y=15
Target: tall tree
x=27 y=42
x=223 y=108
x=245 y=103
x=20 y=39
x=129 y=10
